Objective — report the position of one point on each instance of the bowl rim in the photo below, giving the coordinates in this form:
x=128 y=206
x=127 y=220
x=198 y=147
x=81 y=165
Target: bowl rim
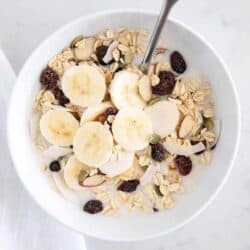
x=193 y=33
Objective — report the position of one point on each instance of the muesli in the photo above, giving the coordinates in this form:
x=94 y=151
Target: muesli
x=113 y=138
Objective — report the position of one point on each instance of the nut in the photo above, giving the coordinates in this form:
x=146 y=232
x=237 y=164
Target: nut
x=186 y=126
x=94 y=181
x=84 y=48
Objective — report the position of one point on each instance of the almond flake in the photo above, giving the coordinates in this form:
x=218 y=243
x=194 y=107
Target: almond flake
x=145 y=88
x=94 y=181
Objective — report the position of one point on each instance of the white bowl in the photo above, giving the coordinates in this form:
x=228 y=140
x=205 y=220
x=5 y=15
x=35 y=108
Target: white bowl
x=197 y=53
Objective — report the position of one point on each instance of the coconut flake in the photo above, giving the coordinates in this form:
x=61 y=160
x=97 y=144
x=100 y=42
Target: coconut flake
x=118 y=164
x=187 y=150
x=109 y=56
x=54 y=152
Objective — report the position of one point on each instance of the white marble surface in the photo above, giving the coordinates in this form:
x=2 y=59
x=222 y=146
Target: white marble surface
x=225 y=224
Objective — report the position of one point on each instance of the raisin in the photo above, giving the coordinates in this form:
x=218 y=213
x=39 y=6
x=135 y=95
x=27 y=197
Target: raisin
x=196 y=142
x=55 y=166
x=128 y=186
x=93 y=206
x=48 y=78
x=158 y=152
x=166 y=84
x=109 y=111
x=59 y=95
x=183 y=164
x=100 y=53
x=177 y=62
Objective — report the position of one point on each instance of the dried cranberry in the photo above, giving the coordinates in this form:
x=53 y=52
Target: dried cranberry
x=93 y=206
x=196 y=142
x=100 y=53
x=177 y=62
x=59 y=95
x=166 y=84
x=55 y=166
x=49 y=78
x=158 y=152
x=128 y=186
x=109 y=111
x=183 y=164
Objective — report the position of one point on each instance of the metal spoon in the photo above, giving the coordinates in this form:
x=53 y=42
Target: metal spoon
x=165 y=10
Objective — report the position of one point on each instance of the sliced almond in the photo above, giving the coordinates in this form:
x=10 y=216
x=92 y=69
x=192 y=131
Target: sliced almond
x=145 y=88
x=94 y=181
x=186 y=126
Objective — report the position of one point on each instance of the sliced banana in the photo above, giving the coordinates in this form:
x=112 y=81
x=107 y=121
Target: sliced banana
x=92 y=112
x=118 y=164
x=93 y=144
x=164 y=116
x=84 y=85
x=132 y=129
x=72 y=171
x=58 y=127
x=124 y=90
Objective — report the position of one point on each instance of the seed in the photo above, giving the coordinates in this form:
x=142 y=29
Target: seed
x=153 y=101
x=93 y=207
x=76 y=40
x=183 y=164
x=81 y=177
x=166 y=84
x=158 y=152
x=128 y=186
x=177 y=62
x=55 y=166
x=154 y=138
x=208 y=123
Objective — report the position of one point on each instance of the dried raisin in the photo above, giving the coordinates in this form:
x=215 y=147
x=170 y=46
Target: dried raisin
x=55 y=166
x=183 y=164
x=177 y=62
x=128 y=186
x=93 y=206
x=158 y=152
x=49 y=78
x=166 y=84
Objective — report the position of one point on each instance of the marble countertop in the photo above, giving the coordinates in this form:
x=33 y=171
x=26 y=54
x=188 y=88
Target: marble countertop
x=225 y=223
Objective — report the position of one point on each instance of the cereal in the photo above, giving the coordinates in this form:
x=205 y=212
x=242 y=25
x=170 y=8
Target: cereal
x=124 y=168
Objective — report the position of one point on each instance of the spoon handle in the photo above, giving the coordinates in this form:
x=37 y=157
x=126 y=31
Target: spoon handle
x=165 y=9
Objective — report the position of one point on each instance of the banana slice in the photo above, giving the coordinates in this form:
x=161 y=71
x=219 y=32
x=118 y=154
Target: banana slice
x=132 y=129
x=119 y=164
x=72 y=171
x=93 y=144
x=84 y=85
x=124 y=90
x=58 y=127
x=92 y=112
x=164 y=116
